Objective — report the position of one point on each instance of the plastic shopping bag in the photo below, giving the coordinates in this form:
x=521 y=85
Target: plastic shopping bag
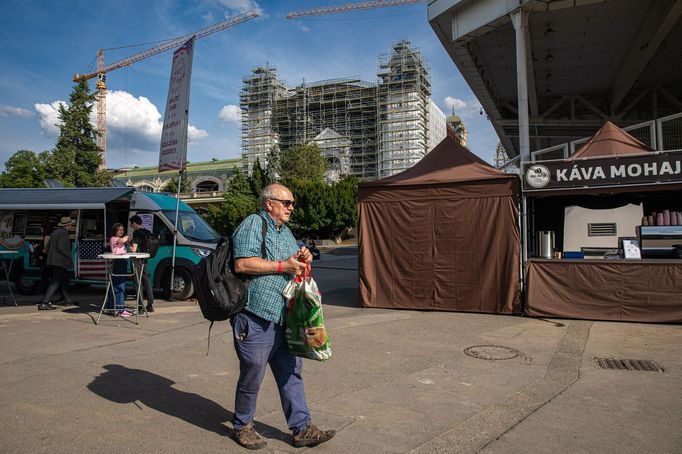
x=305 y=331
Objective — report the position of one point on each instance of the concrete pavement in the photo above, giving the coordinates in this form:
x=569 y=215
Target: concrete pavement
x=399 y=381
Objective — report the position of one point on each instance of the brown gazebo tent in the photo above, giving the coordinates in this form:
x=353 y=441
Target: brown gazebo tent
x=442 y=235
x=610 y=140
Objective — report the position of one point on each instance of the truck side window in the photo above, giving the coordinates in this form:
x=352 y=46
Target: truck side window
x=162 y=232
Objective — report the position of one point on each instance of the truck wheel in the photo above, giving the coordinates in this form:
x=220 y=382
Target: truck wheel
x=182 y=287
x=26 y=286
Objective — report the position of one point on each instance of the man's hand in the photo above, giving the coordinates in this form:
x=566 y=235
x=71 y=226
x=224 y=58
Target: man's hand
x=292 y=265
x=304 y=255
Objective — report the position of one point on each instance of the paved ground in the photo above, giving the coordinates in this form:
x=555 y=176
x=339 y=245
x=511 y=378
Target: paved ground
x=399 y=381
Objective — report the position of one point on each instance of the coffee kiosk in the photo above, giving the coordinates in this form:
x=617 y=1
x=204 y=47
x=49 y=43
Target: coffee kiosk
x=614 y=209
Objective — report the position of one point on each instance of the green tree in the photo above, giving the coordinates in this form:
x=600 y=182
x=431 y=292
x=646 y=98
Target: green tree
x=172 y=185
x=303 y=162
x=273 y=169
x=258 y=178
x=239 y=203
x=323 y=210
x=23 y=170
x=76 y=158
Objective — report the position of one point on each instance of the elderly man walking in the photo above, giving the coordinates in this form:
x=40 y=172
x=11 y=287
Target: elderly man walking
x=259 y=329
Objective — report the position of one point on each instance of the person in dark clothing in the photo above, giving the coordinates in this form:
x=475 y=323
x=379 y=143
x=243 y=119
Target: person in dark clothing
x=59 y=259
x=139 y=243
x=41 y=255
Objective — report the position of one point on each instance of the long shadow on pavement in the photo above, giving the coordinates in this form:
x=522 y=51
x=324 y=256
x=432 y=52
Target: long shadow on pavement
x=123 y=385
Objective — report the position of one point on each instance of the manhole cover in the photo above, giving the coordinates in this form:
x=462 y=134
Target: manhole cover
x=491 y=352
x=627 y=364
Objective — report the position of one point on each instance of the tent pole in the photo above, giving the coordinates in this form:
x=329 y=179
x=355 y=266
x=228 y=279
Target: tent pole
x=524 y=240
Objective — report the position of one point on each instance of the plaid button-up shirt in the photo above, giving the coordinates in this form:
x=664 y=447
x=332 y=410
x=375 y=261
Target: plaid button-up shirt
x=265 y=291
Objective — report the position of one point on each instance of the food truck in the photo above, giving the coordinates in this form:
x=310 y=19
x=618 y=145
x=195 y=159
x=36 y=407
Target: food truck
x=25 y=213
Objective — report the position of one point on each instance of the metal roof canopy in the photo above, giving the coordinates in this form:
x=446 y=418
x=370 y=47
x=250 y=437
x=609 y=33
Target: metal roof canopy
x=588 y=61
x=59 y=199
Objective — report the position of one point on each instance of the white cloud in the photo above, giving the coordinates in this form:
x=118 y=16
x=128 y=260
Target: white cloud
x=301 y=27
x=49 y=117
x=240 y=5
x=465 y=109
x=196 y=134
x=208 y=17
x=454 y=104
x=6 y=111
x=230 y=114
x=133 y=123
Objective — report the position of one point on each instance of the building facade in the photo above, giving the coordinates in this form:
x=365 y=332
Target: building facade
x=370 y=130
x=207 y=180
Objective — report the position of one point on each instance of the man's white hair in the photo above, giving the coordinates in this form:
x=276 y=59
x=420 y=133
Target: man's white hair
x=268 y=192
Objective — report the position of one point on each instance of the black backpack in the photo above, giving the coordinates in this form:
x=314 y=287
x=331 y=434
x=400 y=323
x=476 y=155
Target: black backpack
x=220 y=291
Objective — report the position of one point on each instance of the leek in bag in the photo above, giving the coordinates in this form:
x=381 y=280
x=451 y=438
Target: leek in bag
x=305 y=331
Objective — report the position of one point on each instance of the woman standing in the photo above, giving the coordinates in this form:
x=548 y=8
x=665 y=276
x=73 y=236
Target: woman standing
x=117 y=242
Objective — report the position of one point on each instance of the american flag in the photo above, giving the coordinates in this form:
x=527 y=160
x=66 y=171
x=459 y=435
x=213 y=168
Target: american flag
x=89 y=266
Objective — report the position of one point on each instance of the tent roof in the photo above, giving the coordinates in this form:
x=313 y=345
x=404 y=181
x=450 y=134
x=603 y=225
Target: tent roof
x=67 y=198
x=448 y=162
x=610 y=140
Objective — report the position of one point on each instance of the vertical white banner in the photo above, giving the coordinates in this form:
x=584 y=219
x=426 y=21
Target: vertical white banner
x=173 y=152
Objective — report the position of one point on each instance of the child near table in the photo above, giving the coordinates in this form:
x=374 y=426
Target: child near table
x=117 y=242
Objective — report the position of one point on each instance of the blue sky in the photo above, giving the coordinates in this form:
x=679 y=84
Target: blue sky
x=45 y=42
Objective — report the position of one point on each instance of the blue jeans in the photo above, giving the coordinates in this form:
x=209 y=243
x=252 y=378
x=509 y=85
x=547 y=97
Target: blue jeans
x=118 y=290
x=258 y=343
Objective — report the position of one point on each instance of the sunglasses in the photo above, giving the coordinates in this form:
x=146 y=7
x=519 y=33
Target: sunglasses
x=286 y=203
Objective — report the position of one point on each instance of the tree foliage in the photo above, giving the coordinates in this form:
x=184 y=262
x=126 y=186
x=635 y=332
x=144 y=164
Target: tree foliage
x=24 y=170
x=304 y=163
x=76 y=158
x=273 y=170
x=171 y=185
x=258 y=178
x=240 y=201
x=323 y=210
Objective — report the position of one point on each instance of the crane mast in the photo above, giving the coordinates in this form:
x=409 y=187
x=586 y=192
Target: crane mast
x=350 y=7
x=103 y=69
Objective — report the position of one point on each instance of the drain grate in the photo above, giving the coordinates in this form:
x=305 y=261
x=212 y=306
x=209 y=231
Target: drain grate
x=627 y=364
x=492 y=352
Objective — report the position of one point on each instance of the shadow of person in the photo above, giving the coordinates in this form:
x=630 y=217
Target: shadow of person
x=123 y=385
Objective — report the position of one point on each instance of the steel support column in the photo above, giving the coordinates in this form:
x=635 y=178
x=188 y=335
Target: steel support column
x=519 y=19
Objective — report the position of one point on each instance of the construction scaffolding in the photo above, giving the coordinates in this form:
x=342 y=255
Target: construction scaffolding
x=365 y=129
x=404 y=93
x=346 y=107
x=257 y=100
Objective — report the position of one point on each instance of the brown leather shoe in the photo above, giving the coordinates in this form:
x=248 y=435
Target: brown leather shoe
x=249 y=438
x=312 y=436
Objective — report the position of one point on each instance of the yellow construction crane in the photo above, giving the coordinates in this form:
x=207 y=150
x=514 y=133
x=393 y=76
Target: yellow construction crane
x=103 y=69
x=350 y=7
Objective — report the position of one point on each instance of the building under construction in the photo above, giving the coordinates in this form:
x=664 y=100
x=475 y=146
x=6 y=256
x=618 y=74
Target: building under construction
x=370 y=130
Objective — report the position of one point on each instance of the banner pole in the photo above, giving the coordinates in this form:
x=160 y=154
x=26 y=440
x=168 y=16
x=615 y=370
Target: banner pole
x=175 y=233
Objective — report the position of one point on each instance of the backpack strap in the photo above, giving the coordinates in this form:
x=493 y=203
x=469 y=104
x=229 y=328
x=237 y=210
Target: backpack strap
x=263 y=253
x=264 y=231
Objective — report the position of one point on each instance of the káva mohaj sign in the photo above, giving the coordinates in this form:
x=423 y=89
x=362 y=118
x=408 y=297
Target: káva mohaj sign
x=660 y=167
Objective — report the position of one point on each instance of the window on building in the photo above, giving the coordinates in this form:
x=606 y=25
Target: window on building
x=206 y=186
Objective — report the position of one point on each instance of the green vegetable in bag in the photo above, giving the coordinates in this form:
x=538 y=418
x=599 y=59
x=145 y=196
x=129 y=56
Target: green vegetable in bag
x=305 y=331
